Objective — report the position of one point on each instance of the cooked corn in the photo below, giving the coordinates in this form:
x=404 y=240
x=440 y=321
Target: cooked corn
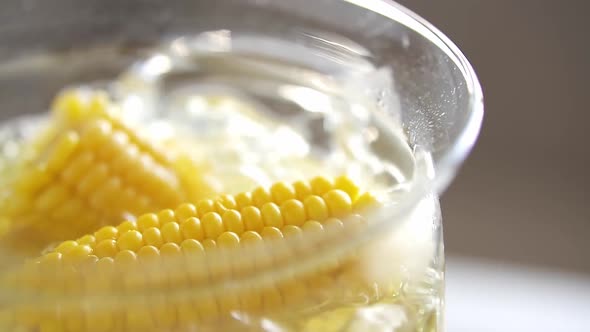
x=90 y=168
x=191 y=249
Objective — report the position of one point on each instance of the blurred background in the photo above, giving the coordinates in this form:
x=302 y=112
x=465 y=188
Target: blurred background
x=518 y=215
x=523 y=196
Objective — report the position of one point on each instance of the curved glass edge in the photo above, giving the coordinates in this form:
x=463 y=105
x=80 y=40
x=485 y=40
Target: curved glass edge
x=447 y=166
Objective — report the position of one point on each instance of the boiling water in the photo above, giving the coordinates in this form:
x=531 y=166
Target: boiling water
x=258 y=110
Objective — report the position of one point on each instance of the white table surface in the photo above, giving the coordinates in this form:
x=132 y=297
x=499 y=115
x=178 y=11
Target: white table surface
x=483 y=296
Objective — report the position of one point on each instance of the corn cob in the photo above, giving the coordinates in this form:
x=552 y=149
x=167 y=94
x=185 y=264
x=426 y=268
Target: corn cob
x=196 y=245
x=90 y=168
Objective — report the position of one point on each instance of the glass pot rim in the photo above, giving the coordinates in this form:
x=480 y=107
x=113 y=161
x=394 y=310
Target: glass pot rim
x=446 y=166
x=450 y=162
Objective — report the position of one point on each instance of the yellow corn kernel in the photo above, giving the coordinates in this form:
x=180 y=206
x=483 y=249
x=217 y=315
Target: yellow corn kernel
x=293 y=212
x=252 y=218
x=106 y=248
x=320 y=185
x=125 y=259
x=126 y=226
x=170 y=249
x=131 y=240
x=212 y=225
x=185 y=211
x=152 y=236
x=78 y=167
x=95 y=176
x=271 y=215
x=228 y=240
x=209 y=244
x=125 y=162
x=77 y=254
x=87 y=240
x=281 y=192
x=63 y=150
x=315 y=208
x=66 y=246
x=32 y=180
x=338 y=202
x=69 y=106
x=219 y=208
x=271 y=233
x=205 y=206
x=312 y=227
x=117 y=143
x=260 y=196
x=193 y=178
x=170 y=254
x=191 y=229
x=106 y=266
x=227 y=201
x=251 y=238
x=171 y=233
x=302 y=189
x=347 y=185
x=232 y=220
x=51 y=260
x=147 y=220
x=50 y=198
x=166 y=216
x=242 y=200
x=106 y=233
x=98 y=104
x=364 y=202
x=334 y=224
x=292 y=231
x=192 y=247
x=148 y=253
x=95 y=133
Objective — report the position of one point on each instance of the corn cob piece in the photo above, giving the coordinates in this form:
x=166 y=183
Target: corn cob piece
x=90 y=168
x=141 y=263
